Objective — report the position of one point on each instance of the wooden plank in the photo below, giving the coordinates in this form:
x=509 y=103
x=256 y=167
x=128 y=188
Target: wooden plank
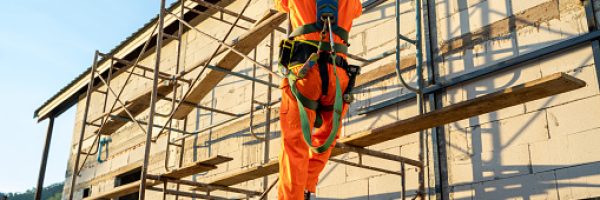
x=190 y=169
x=530 y=91
x=251 y=173
x=123 y=190
x=64 y=97
x=245 y=44
x=197 y=167
x=135 y=106
x=407 y=63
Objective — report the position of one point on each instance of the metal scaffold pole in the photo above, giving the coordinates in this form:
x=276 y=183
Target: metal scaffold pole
x=88 y=98
x=418 y=43
x=42 y=174
x=153 y=99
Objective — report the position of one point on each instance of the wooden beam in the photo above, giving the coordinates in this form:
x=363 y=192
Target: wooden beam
x=251 y=173
x=197 y=167
x=245 y=44
x=406 y=63
x=136 y=106
x=122 y=190
x=190 y=169
x=67 y=96
x=530 y=91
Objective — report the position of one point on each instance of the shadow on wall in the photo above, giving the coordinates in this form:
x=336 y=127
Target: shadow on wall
x=519 y=187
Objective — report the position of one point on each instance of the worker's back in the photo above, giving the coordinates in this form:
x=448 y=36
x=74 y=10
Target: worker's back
x=304 y=12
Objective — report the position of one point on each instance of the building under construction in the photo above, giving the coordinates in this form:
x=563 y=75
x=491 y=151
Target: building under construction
x=464 y=99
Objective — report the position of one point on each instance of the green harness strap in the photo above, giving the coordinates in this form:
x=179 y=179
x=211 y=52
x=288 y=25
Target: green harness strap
x=312 y=28
x=304 y=121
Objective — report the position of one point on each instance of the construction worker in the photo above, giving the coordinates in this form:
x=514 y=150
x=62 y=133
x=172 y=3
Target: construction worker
x=315 y=94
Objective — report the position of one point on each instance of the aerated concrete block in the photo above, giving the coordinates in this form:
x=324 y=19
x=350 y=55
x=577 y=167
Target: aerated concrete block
x=574 y=117
x=492 y=84
x=333 y=174
x=579 y=182
x=350 y=190
x=485 y=12
x=462 y=192
x=510 y=162
x=583 y=147
x=520 y=6
x=531 y=186
x=388 y=186
x=550 y=154
x=503 y=134
x=355 y=173
x=460 y=171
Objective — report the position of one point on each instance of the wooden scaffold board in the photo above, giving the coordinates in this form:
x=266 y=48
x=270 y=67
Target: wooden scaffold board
x=530 y=91
x=188 y=170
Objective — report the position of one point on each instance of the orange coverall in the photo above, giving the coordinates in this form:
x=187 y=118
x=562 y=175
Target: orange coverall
x=299 y=167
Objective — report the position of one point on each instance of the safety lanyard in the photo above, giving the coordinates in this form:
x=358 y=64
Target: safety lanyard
x=337 y=106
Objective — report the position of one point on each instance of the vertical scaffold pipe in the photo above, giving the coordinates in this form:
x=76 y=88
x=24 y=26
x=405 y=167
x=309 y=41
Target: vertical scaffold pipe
x=83 y=125
x=398 y=38
x=420 y=97
x=153 y=98
x=42 y=174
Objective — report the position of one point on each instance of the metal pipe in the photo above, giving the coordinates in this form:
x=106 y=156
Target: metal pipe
x=208 y=187
x=264 y=194
x=398 y=71
x=199 y=106
x=230 y=47
x=218 y=124
x=365 y=166
x=123 y=105
x=182 y=152
x=173 y=101
x=162 y=75
x=253 y=91
x=206 y=64
x=188 y=194
x=403 y=179
x=225 y=10
x=213 y=17
x=420 y=97
x=502 y=66
x=177 y=71
x=592 y=22
x=42 y=174
x=378 y=154
x=109 y=78
x=153 y=99
x=83 y=125
x=254 y=79
x=267 y=141
x=89 y=153
x=135 y=64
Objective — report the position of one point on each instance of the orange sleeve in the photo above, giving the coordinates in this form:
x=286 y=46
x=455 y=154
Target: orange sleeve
x=358 y=8
x=282 y=6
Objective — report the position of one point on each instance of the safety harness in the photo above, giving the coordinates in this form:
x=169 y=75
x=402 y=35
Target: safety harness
x=304 y=55
x=325 y=9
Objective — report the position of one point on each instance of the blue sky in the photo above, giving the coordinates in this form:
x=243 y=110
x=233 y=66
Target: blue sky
x=43 y=46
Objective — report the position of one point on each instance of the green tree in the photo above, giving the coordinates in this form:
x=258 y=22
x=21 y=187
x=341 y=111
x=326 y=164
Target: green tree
x=53 y=192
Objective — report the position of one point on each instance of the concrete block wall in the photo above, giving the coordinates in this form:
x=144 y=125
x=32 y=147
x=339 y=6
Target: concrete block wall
x=518 y=152
x=538 y=150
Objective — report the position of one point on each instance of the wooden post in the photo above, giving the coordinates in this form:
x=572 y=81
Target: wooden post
x=40 y=183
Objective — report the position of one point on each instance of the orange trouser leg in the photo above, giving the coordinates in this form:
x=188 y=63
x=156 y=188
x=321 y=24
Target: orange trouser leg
x=299 y=168
x=318 y=161
x=293 y=160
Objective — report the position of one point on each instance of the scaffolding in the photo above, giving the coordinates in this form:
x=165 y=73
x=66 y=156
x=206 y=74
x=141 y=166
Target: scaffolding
x=186 y=94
